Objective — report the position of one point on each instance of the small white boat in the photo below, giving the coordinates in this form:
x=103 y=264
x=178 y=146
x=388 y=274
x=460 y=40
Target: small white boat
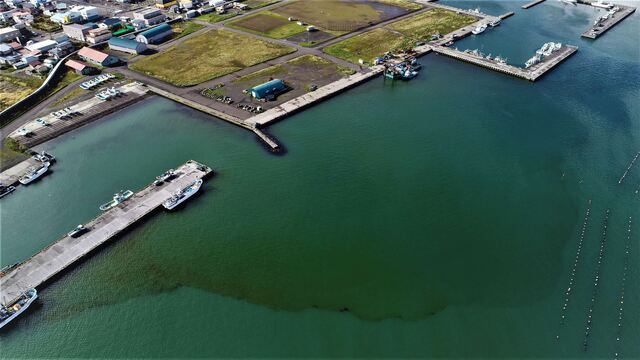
x=494 y=23
x=6 y=190
x=602 y=4
x=34 y=173
x=479 y=29
x=182 y=195
x=118 y=198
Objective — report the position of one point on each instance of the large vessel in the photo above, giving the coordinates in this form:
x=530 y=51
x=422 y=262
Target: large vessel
x=479 y=29
x=118 y=197
x=11 y=312
x=5 y=190
x=183 y=194
x=34 y=173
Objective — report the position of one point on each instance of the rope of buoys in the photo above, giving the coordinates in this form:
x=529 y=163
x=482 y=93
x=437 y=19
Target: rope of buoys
x=576 y=260
x=629 y=168
x=623 y=280
x=596 y=282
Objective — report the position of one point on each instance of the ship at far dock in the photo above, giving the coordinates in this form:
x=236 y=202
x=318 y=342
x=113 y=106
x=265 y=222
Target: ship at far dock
x=182 y=195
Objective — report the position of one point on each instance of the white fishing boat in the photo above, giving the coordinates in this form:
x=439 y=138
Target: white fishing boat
x=182 y=195
x=8 y=313
x=34 y=173
x=479 y=29
x=118 y=198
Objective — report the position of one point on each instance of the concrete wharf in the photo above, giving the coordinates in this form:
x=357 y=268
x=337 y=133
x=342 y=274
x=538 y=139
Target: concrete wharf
x=12 y=174
x=532 y=4
x=307 y=99
x=41 y=267
x=532 y=74
x=596 y=30
x=87 y=110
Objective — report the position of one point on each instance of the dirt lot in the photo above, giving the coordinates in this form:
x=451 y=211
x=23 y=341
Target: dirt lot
x=207 y=56
x=261 y=23
x=299 y=73
x=14 y=87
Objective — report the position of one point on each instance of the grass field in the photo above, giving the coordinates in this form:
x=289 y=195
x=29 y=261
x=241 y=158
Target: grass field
x=422 y=26
x=15 y=87
x=43 y=23
x=214 y=17
x=399 y=35
x=208 y=56
x=402 y=3
x=10 y=154
x=185 y=28
x=269 y=24
x=368 y=45
x=309 y=64
x=331 y=14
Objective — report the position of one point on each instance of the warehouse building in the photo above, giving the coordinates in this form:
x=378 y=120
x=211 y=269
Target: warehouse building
x=155 y=35
x=150 y=16
x=269 y=90
x=81 y=68
x=78 y=31
x=97 y=57
x=8 y=33
x=127 y=46
x=165 y=4
x=95 y=36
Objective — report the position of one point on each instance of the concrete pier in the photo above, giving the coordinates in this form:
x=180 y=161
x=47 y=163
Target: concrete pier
x=12 y=174
x=532 y=74
x=595 y=31
x=307 y=99
x=532 y=4
x=36 y=270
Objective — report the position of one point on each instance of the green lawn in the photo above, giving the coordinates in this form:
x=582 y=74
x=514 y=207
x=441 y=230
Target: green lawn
x=10 y=154
x=185 y=28
x=208 y=56
x=214 y=17
x=402 y=34
x=422 y=26
x=286 y=29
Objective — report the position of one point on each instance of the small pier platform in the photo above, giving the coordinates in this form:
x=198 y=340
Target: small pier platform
x=12 y=174
x=531 y=74
x=595 y=31
x=310 y=98
x=532 y=4
x=41 y=267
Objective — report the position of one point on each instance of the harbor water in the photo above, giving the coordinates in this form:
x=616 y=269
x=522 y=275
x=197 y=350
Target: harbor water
x=432 y=218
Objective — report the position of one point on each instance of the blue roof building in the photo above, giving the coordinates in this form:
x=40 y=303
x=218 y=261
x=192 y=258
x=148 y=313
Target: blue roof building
x=126 y=45
x=269 y=90
x=155 y=35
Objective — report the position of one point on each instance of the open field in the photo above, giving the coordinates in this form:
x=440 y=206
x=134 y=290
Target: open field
x=368 y=45
x=184 y=28
x=440 y=21
x=399 y=35
x=10 y=154
x=15 y=87
x=208 y=56
x=214 y=17
x=269 y=24
x=43 y=23
x=301 y=74
x=342 y=16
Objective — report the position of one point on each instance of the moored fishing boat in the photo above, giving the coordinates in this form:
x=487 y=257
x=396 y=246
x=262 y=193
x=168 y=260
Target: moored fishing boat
x=6 y=190
x=118 y=198
x=8 y=313
x=182 y=195
x=34 y=173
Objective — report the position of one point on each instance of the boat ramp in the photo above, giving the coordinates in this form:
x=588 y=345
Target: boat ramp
x=41 y=267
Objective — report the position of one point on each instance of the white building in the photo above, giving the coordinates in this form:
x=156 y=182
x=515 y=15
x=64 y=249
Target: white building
x=98 y=35
x=150 y=16
x=9 y=33
x=42 y=46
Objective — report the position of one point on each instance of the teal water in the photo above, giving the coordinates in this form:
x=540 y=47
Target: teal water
x=437 y=217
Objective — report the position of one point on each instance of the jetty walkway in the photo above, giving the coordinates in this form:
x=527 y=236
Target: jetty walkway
x=602 y=27
x=532 y=74
x=532 y=4
x=55 y=258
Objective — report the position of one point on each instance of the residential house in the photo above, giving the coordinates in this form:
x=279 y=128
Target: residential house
x=98 y=35
x=97 y=57
x=81 y=67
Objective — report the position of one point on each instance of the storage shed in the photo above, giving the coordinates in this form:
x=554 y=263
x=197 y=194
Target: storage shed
x=269 y=90
x=155 y=35
x=126 y=45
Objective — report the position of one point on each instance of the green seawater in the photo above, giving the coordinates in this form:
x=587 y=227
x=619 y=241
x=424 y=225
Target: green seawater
x=434 y=218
